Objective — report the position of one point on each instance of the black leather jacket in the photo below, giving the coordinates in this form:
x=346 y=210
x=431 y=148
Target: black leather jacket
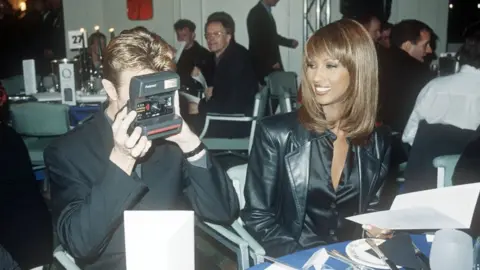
x=278 y=179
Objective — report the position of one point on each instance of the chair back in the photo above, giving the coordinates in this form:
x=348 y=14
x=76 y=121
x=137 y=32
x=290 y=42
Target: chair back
x=445 y=167
x=40 y=119
x=431 y=141
x=282 y=85
x=280 y=82
x=14 y=85
x=258 y=112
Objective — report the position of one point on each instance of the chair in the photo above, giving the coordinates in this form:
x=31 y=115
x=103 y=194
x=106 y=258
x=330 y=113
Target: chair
x=231 y=144
x=282 y=85
x=14 y=85
x=445 y=167
x=65 y=259
x=431 y=141
x=39 y=123
x=235 y=237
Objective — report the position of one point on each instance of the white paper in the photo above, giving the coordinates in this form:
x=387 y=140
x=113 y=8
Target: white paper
x=159 y=240
x=317 y=260
x=190 y=98
x=179 y=47
x=201 y=79
x=29 y=77
x=444 y=208
x=75 y=39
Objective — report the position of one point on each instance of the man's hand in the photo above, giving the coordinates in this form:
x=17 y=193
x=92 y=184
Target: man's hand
x=294 y=43
x=193 y=108
x=127 y=148
x=186 y=139
x=208 y=93
x=276 y=66
x=195 y=72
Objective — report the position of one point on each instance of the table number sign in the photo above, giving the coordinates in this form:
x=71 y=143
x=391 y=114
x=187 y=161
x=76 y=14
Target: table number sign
x=76 y=39
x=67 y=84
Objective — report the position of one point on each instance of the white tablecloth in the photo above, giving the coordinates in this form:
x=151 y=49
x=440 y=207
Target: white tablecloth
x=81 y=98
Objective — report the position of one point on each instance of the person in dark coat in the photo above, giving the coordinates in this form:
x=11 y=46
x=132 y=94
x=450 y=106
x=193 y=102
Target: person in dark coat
x=26 y=231
x=264 y=40
x=101 y=169
x=233 y=86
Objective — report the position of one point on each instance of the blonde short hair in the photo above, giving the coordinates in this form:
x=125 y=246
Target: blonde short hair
x=136 y=49
x=349 y=43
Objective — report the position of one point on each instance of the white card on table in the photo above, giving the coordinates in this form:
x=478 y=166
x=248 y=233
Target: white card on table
x=67 y=84
x=77 y=40
x=159 y=240
x=441 y=208
x=29 y=77
x=317 y=260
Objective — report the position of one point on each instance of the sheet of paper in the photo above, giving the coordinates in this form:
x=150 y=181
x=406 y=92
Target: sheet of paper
x=201 y=79
x=159 y=240
x=457 y=202
x=179 y=47
x=190 y=98
x=450 y=207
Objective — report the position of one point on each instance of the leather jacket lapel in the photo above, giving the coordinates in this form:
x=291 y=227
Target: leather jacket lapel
x=298 y=167
x=369 y=167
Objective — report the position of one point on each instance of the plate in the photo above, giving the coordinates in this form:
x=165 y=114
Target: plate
x=357 y=252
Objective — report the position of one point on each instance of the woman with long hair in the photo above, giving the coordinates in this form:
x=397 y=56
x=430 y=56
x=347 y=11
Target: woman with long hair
x=310 y=169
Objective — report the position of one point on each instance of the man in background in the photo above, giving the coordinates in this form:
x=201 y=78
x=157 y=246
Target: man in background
x=193 y=55
x=372 y=24
x=385 y=32
x=54 y=31
x=402 y=75
x=264 y=40
x=233 y=86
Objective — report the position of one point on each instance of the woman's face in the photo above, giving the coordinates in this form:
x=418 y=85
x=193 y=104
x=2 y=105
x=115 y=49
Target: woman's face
x=329 y=79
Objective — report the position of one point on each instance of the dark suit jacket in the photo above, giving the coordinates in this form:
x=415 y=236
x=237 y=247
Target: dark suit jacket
x=26 y=230
x=54 y=31
x=264 y=41
x=90 y=193
x=234 y=83
x=195 y=56
x=401 y=78
x=6 y=260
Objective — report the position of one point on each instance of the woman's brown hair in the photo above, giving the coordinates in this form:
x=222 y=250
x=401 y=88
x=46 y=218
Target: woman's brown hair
x=136 y=49
x=349 y=43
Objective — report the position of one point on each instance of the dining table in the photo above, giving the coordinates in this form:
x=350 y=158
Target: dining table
x=298 y=259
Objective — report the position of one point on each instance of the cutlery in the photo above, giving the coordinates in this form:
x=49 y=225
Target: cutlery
x=425 y=262
x=380 y=254
x=337 y=255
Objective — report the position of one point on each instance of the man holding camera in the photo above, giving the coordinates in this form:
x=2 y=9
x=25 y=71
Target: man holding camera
x=100 y=169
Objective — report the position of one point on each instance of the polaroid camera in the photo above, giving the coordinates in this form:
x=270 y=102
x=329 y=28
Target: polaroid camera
x=152 y=97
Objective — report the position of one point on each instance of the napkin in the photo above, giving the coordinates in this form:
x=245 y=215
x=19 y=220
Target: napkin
x=400 y=251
